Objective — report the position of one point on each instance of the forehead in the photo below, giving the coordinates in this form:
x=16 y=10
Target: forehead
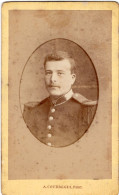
x=58 y=65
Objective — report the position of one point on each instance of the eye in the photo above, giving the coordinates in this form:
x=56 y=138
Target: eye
x=48 y=73
x=60 y=73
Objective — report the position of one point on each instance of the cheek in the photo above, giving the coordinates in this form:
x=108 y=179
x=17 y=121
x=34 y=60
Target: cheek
x=65 y=83
x=62 y=80
x=47 y=79
x=67 y=80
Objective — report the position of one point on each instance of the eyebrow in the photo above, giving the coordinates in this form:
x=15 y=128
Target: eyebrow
x=56 y=70
x=60 y=71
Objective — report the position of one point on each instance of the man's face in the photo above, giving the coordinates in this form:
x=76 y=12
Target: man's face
x=58 y=77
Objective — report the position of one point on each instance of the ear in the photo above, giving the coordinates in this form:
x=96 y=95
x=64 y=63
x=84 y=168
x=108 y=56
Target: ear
x=73 y=78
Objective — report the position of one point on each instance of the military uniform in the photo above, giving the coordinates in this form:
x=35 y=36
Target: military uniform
x=62 y=122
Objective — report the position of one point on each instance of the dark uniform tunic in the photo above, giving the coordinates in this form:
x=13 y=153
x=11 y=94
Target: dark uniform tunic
x=62 y=122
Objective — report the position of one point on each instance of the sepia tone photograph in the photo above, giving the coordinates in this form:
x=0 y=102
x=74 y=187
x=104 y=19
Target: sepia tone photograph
x=64 y=116
x=59 y=75
x=60 y=90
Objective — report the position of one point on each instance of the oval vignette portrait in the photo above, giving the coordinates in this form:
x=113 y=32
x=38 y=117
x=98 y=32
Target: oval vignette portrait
x=59 y=92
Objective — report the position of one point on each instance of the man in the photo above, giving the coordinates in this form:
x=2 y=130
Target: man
x=63 y=117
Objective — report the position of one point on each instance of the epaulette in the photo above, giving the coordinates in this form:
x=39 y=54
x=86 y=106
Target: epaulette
x=33 y=104
x=83 y=100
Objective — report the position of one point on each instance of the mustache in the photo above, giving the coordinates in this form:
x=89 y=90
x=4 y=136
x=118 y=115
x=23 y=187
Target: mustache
x=53 y=86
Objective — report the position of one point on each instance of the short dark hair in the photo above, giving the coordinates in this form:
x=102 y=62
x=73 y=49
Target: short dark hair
x=61 y=55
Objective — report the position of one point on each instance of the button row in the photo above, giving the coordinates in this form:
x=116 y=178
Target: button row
x=49 y=126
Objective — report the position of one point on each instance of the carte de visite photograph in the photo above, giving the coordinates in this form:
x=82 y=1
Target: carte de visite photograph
x=59 y=98
x=59 y=94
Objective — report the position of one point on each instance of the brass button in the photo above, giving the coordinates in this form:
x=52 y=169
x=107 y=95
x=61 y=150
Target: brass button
x=52 y=110
x=50 y=118
x=49 y=127
x=49 y=135
x=49 y=144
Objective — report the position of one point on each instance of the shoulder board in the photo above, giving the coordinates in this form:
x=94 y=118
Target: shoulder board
x=83 y=100
x=33 y=104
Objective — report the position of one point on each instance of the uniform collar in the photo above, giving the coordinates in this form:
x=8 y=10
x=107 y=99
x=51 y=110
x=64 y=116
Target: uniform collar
x=62 y=99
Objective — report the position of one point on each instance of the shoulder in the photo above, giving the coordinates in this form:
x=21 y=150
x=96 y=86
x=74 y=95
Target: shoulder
x=32 y=105
x=31 y=108
x=88 y=107
x=83 y=100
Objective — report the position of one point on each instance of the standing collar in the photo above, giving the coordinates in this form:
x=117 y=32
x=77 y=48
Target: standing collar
x=62 y=99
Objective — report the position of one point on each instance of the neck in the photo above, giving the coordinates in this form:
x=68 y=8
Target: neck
x=61 y=99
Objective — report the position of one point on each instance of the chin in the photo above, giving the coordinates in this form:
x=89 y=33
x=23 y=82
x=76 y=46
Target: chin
x=54 y=94
x=53 y=91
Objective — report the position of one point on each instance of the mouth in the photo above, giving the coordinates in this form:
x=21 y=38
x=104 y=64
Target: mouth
x=53 y=86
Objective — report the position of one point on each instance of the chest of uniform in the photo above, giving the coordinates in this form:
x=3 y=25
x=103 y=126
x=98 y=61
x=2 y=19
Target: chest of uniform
x=62 y=118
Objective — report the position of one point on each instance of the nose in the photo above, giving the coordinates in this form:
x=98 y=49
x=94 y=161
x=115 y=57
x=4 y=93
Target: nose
x=53 y=77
